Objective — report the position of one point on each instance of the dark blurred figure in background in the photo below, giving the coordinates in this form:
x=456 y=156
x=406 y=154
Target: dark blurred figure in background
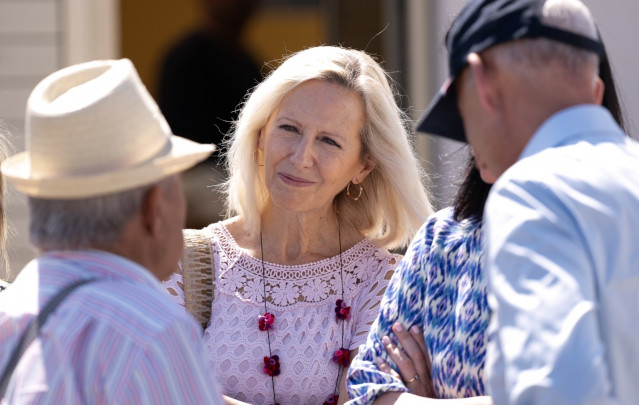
x=203 y=78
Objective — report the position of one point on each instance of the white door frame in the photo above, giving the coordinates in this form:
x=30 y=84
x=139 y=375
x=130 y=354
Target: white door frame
x=90 y=30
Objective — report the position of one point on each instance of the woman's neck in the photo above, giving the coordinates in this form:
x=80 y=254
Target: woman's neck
x=297 y=238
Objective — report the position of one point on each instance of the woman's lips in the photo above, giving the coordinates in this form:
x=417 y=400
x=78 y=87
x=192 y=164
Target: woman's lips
x=293 y=180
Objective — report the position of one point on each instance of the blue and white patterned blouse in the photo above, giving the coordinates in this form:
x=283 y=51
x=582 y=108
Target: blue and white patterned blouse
x=440 y=286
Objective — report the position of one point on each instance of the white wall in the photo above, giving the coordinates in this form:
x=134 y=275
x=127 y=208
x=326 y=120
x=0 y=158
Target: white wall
x=91 y=30
x=616 y=20
x=38 y=37
x=29 y=50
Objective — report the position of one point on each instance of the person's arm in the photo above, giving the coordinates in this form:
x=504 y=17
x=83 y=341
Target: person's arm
x=403 y=302
x=544 y=340
x=414 y=360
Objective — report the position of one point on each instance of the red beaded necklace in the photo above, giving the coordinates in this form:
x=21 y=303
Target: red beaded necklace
x=267 y=320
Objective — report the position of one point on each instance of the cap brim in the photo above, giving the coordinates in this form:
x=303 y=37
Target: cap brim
x=442 y=116
x=180 y=155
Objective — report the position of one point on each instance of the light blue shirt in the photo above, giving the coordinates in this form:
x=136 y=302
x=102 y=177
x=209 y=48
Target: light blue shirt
x=562 y=234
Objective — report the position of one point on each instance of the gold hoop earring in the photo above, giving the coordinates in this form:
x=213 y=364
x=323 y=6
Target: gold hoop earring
x=348 y=191
x=255 y=158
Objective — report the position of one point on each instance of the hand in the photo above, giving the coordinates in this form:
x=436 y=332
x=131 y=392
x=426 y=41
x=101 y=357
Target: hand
x=413 y=360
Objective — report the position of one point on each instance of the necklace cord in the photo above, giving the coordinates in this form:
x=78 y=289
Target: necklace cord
x=268 y=334
x=341 y=276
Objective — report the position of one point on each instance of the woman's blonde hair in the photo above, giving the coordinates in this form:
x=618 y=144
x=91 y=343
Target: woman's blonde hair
x=394 y=203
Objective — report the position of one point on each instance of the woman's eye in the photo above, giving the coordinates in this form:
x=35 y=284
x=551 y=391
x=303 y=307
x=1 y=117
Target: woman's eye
x=331 y=142
x=288 y=128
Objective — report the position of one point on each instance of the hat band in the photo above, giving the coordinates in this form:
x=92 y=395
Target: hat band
x=566 y=37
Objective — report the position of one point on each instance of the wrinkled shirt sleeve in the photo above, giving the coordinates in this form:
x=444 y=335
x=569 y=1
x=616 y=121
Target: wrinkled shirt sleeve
x=545 y=341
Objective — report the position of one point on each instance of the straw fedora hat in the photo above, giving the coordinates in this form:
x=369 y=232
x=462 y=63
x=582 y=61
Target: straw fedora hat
x=93 y=129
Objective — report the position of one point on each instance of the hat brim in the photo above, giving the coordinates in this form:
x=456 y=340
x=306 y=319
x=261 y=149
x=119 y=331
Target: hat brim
x=181 y=154
x=442 y=116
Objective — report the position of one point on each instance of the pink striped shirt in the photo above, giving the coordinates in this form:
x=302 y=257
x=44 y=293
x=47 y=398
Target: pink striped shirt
x=118 y=340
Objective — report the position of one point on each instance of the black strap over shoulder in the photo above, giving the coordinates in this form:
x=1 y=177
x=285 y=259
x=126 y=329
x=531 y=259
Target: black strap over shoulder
x=32 y=331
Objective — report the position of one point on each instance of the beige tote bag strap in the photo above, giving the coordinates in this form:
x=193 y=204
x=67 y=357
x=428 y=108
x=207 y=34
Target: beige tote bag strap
x=198 y=274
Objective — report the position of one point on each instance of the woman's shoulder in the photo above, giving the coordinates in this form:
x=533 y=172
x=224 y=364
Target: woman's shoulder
x=442 y=235
x=366 y=249
x=234 y=223
x=371 y=263
x=229 y=230
x=232 y=231
x=443 y=223
x=217 y=237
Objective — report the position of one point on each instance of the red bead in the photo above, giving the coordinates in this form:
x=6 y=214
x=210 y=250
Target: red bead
x=341 y=310
x=341 y=356
x=271 y=365
x=331 y=400
x=266 y=321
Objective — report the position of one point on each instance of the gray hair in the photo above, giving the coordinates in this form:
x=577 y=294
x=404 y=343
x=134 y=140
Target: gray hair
x=530 y=54
x=83 y=223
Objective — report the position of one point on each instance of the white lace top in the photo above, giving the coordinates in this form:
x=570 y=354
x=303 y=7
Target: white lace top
x=305 y=334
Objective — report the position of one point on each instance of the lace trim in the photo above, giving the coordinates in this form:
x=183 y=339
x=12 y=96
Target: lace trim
x=240 y=274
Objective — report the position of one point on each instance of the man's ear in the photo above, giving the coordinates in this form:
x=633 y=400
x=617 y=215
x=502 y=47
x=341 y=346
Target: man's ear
x=151 y=210
x=485 y=86
x=600 y=88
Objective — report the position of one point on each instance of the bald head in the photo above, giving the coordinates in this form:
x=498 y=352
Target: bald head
x=533 y=58
x=571 y=15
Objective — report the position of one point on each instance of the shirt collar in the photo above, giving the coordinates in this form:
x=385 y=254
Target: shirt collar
x=568 y=123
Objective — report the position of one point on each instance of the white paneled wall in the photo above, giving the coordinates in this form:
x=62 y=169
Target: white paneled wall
x=30 y=48
x=38 y=37
x=28 y=16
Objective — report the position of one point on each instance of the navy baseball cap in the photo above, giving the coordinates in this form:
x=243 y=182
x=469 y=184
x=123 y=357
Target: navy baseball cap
x=481 y=25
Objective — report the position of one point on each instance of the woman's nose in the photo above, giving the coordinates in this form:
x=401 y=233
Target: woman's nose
x=303 y=154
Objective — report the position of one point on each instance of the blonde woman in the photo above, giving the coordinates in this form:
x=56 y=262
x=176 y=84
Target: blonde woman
x=323 y=182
